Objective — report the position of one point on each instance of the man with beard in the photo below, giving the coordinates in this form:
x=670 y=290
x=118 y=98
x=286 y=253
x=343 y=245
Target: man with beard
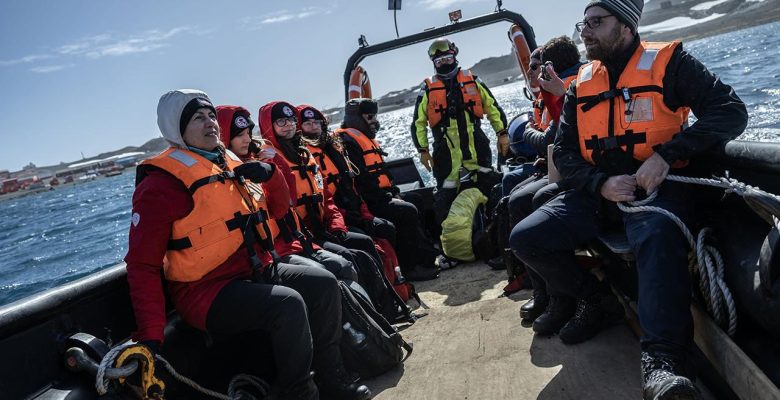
x=453 y=102
x=624 y=125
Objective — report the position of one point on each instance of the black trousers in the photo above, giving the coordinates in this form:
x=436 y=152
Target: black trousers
x=547 y=238
x=302 y=316
x=412 y=246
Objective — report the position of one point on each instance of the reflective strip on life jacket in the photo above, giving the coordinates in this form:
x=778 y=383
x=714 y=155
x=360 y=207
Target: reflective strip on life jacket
x=437 y=97
x=632 y=116
x=222 y=210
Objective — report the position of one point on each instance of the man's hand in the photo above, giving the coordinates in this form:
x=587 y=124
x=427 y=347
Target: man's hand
x=502 y=144
x=553 y=86
x=619 y=188
x=255 y=171
x=652 y=172
x=426 y=160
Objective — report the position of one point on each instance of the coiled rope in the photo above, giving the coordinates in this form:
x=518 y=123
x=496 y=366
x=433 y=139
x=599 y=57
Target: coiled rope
x=242 y=386
x=705 y=261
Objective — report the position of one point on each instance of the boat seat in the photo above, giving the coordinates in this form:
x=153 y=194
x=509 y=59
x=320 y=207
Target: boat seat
x=617 y=242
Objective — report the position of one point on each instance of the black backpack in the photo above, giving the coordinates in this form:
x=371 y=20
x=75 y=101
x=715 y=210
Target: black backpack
x=380 y=290
x=370 y=346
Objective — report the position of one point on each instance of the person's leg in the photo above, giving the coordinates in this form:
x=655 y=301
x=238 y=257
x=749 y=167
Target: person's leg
x=338 y=262
x=415 y=261
x=545 y=194
x=512 y=178
x=362 y=242
x=442 y=201
x=545 y=241
x=521 y=197
x=281 y=312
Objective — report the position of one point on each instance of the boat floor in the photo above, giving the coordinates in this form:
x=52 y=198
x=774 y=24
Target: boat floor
x=472 y=345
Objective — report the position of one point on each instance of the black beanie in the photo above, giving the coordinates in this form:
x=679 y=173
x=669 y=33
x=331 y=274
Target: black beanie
x=311 y=113
x=627 y=11
x=241 y=120
x=282 y=110
x=190 y=109
x=361 y=106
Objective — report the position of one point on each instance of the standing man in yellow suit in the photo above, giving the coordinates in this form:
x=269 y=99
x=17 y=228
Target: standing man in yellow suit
x=453 y=102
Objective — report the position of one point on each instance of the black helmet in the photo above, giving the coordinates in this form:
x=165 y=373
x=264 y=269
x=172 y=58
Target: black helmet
x=442 y=46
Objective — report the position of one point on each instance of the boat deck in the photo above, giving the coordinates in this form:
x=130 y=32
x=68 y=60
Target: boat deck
x=472 y=345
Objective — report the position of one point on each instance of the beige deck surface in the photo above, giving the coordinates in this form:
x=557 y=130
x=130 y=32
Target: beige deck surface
x=472 y=346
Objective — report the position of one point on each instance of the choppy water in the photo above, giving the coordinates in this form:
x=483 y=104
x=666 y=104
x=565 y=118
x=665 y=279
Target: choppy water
x=58 y=236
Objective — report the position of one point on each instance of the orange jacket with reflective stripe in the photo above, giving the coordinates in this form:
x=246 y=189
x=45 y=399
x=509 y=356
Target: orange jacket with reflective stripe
x=372 y=155
x=309 y=189
x=213 y=231
x=631 y=116
x=437 y=97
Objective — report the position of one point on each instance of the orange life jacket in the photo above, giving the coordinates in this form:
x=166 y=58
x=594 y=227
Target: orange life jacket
x=213 y=230
x=309 y=186
x=437 y=97
x=633 y=115
x=372 y=156
x=328 y=169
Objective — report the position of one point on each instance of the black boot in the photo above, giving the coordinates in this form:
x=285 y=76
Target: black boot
x=661 y=379
x=592 y=315
x=560 y=310
x=535 y=306
x=337 y=384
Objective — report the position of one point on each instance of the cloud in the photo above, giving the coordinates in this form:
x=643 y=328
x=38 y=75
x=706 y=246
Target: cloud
x=104 y=45
x=256 y=22
x=441 y=4
x=50 y=68
x=24 y=60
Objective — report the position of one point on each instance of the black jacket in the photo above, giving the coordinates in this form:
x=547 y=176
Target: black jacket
x=721 y=116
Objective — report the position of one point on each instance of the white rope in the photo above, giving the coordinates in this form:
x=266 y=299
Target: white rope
x=707 y=264
x=107 y=363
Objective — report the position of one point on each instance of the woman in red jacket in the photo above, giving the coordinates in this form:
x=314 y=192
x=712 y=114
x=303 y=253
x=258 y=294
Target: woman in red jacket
x=194 y=220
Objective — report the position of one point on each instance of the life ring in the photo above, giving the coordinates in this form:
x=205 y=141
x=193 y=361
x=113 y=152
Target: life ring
x=359 y=85
x=523 y=54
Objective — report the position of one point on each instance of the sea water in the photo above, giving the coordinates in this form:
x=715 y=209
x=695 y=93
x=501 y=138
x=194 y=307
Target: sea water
x=58 y=236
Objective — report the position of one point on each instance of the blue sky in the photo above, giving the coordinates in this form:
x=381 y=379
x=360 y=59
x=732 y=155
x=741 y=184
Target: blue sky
x=84 y=76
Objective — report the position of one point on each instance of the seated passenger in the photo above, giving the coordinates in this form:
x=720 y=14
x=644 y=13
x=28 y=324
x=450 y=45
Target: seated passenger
x=339 y=187
x=278 y=125
x=416 y=254
x=617 y=136
x=234 y=267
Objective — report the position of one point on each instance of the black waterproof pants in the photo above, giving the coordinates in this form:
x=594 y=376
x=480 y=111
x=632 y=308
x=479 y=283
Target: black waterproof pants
x=409 y=234
x=301 y=315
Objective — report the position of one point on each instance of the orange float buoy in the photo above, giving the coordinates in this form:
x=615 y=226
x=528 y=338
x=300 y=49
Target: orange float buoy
x=359 y=85
x=523 y=54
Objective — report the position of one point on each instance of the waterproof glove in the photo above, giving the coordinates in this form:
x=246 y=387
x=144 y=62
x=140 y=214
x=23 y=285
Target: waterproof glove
x=502 y=144
x=255 y=171
x=427 y=160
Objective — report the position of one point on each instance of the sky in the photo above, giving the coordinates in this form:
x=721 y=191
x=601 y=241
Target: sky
x=84 y=77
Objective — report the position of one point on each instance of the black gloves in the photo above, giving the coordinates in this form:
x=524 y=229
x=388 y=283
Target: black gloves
x=255 y=171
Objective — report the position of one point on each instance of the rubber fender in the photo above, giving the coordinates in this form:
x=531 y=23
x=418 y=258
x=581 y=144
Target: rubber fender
x=769 y=263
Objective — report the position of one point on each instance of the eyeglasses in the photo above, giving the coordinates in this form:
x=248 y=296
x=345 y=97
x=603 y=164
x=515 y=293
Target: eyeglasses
x=312 y=122
x=448 y=59
x=591 y=23
x=534 y=67
x=280 y=122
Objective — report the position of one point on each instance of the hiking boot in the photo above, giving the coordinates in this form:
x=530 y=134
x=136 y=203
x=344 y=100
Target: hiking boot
x=661 y=379
x=557 y=313
x=419 y=273
x=497 y=263
x=338 y=384
x=534 y=307
x=592 y=315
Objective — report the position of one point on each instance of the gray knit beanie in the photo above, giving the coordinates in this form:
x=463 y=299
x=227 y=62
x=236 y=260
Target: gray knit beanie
x=627 y=11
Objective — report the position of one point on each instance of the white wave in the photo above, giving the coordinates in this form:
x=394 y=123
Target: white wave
x=676 y=23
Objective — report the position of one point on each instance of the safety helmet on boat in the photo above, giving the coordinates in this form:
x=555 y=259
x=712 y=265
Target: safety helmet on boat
x=442 y=46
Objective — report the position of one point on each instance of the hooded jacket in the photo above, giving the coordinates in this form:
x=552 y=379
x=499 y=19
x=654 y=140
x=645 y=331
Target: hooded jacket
x=332 y=220
x=159 y=200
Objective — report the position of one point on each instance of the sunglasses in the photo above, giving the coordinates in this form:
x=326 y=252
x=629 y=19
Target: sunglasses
x=591 y=23
x=280 y=122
